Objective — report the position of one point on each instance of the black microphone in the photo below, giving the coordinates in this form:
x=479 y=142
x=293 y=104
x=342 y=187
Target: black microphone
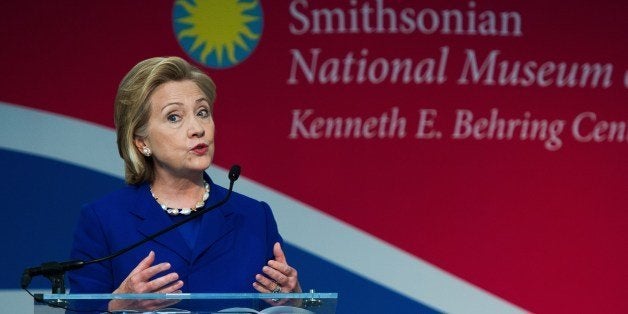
x=55 y=270
x=234 y=173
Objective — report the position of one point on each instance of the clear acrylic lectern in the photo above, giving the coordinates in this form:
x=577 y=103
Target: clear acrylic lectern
x=196 y=303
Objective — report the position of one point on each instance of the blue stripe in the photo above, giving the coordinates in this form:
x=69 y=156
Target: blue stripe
x=41 y=201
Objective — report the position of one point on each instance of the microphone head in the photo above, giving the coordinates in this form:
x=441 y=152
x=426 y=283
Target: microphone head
x=234 y=173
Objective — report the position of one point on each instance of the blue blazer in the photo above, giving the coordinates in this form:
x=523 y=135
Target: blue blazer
x=234 y=242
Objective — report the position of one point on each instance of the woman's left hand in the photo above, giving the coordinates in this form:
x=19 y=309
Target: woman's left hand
x=278 y=276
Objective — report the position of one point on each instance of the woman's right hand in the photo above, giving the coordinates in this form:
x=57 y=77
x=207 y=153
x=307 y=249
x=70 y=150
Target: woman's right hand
x=139 y=281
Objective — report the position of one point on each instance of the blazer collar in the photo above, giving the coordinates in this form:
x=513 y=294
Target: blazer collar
x=214 y=225
x=154 y=219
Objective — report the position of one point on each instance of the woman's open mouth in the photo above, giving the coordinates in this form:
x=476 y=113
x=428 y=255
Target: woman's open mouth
x=200 y=149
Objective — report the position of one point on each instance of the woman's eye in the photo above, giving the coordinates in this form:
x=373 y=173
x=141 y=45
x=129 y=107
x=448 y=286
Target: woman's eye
x=204 y=113
x=173 y=118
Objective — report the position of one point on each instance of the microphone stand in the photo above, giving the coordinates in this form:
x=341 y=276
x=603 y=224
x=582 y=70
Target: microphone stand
x=55 y=271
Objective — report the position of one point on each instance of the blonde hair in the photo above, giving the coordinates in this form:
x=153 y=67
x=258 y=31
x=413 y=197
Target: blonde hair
x=132 y=107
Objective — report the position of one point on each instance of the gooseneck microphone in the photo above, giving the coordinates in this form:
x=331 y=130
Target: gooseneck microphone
x=56 y=270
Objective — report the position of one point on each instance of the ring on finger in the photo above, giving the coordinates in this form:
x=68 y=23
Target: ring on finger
x=277 y=288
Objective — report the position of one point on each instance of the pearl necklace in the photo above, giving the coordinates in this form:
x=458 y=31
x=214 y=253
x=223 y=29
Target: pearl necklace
x=183 y=211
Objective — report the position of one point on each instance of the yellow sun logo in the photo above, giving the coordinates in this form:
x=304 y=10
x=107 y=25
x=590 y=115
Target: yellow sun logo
x=218 y=33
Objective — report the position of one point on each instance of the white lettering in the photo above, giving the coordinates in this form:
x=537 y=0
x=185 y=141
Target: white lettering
x=495 y=127
x=357 y=16
x=587 y=128
x=425 y=128
x=302 y=18
x=348 y=69
x=298 y=60
x=298 y=128
x=544 y=75
x=387 y=125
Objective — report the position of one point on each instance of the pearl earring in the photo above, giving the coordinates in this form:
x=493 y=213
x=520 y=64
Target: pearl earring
x=146 y=151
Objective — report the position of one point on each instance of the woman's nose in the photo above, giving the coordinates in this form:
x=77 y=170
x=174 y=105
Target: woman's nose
x=195 y=128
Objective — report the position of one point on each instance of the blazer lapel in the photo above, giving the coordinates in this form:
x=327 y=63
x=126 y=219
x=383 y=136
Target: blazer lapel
x=215 y=224
x=154 y=220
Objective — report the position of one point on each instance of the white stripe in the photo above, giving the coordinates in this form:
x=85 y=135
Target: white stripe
x=61 y=138
x=312 y=230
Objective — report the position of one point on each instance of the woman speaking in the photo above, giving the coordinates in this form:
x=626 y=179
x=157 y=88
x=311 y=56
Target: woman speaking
x=165 y=134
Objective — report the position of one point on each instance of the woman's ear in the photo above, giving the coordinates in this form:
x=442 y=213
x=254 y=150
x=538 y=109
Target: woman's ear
x=142 y=146
x=139 y=143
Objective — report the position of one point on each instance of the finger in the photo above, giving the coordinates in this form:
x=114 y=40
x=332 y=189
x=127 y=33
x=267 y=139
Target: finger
x=174 y=287
x=150 y=272
x=263 y=289
x=161 y=282
x=267 y=283
x=274 y=274
x=143 y=264
x=283 y=268
x=278 y=253
x=260 y=288
x=129 y=282
x=289 y=280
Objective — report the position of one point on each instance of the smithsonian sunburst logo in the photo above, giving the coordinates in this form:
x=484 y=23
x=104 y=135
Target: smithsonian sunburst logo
x=218 y=34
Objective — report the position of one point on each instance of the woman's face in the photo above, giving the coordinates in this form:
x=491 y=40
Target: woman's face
x=180 y=130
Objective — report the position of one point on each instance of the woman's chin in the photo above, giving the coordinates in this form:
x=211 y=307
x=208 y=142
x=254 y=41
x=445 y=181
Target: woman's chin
x=202 y=165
